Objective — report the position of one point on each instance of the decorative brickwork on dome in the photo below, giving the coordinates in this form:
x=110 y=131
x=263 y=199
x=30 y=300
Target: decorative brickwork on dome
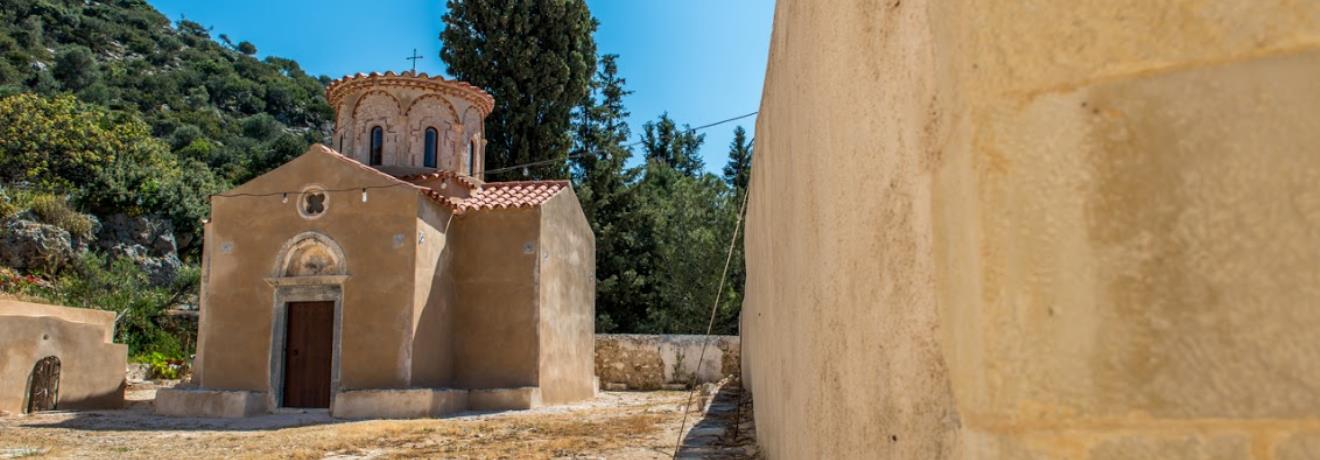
x=410 y=123
x=335 y=92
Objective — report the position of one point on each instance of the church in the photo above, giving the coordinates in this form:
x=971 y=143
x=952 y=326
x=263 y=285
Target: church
x=385 y=278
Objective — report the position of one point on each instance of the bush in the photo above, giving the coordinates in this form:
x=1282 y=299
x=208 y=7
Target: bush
x=162 y=366
x=8 y=208
x=56 y=211
x=120 y=286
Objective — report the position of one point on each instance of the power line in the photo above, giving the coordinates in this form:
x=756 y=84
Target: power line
x=331 y=190
x=634 y=144
x=490 y=171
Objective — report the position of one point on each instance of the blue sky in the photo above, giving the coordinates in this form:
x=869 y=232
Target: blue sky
x=700 y=60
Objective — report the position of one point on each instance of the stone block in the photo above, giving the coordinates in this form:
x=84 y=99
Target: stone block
x=399 y=403
x=505 y=398
x=210 y=403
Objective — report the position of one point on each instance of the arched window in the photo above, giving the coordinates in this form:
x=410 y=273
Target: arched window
x=471 y=156
x=377 y=145
x=428 y=157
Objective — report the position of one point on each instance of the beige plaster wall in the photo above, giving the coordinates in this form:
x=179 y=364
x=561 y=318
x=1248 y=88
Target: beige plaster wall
x=91 y=367
x=244 y=239
x=496 y=319
x=567 y=302
x=99 y=318
x=434 y=297
x=1037 y=230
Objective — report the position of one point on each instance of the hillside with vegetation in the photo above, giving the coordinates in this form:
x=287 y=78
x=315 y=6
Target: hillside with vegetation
x=116 y=123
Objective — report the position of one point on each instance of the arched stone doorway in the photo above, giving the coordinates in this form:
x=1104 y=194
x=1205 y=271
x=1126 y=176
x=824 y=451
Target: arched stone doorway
x=44 y=385
x=308 y=277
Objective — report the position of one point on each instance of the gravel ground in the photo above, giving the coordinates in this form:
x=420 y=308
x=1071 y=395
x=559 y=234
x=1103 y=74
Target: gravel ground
x=621 y=425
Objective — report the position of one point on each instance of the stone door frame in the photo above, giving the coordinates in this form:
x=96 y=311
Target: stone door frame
x=329 y=288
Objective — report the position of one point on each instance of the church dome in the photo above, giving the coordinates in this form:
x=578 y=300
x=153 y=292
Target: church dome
x=410 y=123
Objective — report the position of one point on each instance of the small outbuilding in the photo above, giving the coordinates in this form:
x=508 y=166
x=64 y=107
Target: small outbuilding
x=387 y=279
x=58 y=358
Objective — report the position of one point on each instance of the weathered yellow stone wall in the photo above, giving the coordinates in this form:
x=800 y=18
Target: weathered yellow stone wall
x=1085 y=229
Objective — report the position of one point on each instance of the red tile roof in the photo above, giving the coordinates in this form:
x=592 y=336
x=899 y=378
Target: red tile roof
x=425 y=180
x=506 y=195
x=483 y=196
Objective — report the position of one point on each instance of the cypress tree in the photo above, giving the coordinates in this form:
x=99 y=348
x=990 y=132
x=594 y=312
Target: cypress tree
x=738 y=171
x=536 y=57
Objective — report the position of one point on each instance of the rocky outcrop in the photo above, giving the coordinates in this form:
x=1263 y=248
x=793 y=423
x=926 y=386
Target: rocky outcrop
x=148 y=241
x=31 y=245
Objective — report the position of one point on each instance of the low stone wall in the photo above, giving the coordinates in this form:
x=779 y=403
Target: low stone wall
x=653 y=362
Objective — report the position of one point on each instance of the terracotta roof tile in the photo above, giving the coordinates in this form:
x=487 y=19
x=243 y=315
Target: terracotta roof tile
x=487 y=196
x=508 y=195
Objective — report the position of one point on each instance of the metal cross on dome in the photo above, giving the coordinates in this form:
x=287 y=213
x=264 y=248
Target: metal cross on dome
x=414 y=59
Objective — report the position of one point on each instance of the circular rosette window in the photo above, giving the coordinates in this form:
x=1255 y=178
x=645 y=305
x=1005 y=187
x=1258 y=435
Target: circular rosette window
x=313 y=202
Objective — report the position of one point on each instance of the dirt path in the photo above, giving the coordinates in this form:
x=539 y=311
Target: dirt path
x=614 y=425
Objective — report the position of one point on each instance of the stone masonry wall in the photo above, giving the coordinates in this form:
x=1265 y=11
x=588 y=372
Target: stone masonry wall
x=653 y=362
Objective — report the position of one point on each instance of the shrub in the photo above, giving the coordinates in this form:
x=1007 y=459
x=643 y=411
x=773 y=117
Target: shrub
x=120 y=286
x=8 y=208
x=162 y=366
x=56 y=211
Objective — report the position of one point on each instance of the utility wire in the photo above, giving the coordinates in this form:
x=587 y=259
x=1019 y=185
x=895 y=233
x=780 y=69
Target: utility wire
x=350 y=189
x=490 y=171
x=634 y=144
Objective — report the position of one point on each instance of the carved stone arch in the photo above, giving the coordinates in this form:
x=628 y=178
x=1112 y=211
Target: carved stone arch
x=377 y=108
x=432 y=111
x=362 y=101
x=310 y=254
x=310 y=267
x=443 y=102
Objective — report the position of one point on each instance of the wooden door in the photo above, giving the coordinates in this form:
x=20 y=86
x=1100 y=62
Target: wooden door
x=308 y=352
x=44 y=385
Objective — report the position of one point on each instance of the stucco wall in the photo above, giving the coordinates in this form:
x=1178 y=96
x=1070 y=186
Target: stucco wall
x=496 y=320
x=647 y=362
x=91 y=368
x=567 y=301
x=243 y=241
x=1036 y=230
x=433 y=297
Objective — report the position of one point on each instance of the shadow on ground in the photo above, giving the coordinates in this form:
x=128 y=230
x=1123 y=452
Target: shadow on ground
x=726 y=430
x=142 y=419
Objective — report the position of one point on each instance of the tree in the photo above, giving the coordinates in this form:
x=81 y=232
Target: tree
x=686 y=223
x=75 y=68
x=604 y=187
x=738 y=175
x=536 y=58
x=246 y=47
x=738 y=172
x=108 y=163
x=59 y=143
x=664 y=142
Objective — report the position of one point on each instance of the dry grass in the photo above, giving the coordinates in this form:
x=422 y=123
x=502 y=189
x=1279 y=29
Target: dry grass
x=616 y=425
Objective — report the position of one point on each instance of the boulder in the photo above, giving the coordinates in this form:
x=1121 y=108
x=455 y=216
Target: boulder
x=29 y=245
x=148 y=241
